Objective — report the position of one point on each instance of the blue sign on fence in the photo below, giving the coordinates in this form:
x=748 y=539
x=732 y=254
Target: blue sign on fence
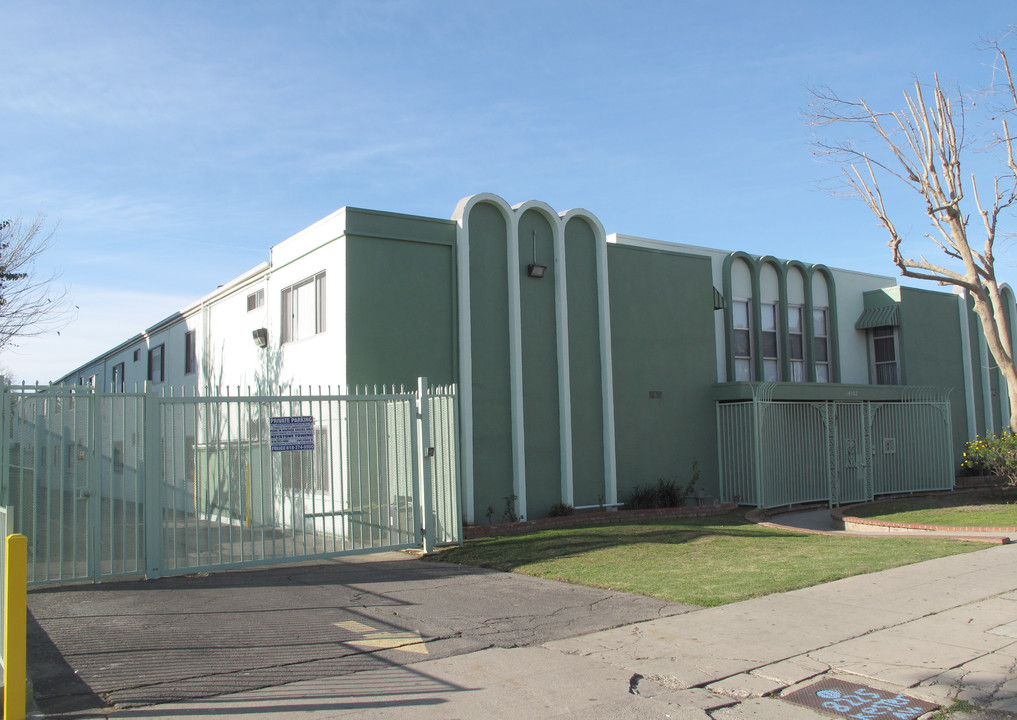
x=292 y=433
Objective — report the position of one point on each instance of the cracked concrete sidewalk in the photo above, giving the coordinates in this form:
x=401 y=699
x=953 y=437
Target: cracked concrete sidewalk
x=940 y=630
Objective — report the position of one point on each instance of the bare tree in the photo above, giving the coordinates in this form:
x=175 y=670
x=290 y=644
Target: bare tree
x=30 y=304
x=920 y=147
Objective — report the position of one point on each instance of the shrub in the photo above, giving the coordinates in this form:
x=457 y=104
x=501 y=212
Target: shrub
x=560 y=510
x=666 y=494
x=993 y=455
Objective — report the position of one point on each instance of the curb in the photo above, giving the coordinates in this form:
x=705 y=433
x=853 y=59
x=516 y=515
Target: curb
x=867 y=527
x=603 y=517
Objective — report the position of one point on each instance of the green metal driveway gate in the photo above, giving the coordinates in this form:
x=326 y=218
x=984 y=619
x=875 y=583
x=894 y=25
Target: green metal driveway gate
x=124 y=484
x=777 y=453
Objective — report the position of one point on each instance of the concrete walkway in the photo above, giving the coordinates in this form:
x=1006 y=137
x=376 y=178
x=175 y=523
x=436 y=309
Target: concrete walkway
x=821 y=520
x=935 y=631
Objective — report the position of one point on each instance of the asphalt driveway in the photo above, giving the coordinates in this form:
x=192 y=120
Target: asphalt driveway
x=93 y=648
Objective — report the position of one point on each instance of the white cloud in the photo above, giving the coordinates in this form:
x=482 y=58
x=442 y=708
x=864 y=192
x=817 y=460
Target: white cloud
x=103 y=318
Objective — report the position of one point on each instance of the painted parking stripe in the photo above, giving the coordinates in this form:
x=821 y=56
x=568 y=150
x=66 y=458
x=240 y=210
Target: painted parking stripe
x=405 y=640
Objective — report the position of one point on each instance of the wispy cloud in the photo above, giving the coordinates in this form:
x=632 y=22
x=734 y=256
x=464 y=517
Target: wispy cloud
x=101 y=318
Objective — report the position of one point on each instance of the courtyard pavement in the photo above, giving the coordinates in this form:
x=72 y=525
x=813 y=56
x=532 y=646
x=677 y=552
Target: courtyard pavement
x=930 y=632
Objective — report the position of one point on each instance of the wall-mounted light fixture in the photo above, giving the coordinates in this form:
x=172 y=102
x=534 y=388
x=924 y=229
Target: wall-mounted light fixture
x=533 y=269
x=261 y=337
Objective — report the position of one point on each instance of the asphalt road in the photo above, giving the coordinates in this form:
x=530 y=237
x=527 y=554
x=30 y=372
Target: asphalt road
x=126 y=644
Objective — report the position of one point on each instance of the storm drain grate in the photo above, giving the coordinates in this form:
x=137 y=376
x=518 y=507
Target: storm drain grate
x=844 y=699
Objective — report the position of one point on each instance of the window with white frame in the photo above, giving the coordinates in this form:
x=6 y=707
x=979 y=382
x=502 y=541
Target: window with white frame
x=821 y=343
x=769 y=340
x=255 y=300
x=796 y=342
x=884 y=355
x=303 y=309
x=742 y=337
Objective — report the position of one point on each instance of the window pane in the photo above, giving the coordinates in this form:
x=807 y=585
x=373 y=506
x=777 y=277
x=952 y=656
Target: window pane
x=886 y=374
x=768 y=314
x=740 y=314
x=286 y=315
x=770 y=370
x=743 y=372
x=883 y=348
x=305 y=323
x=822 y=372
x=819 y=322
x=319 y=303
x=769 y=344
x=797 y=371
x=794 y=320
x=796 y=347
x=820 y=350
x=741 y=343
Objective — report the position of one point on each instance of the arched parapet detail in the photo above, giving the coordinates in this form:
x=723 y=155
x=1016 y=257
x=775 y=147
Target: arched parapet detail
x=727 y=282
x=462 y=215
x=604 y=321
x=834 y=325
x=1010 y=315
x=782 y=269
x=542 y=207
x=516 y=217
x=803 y=271
x=1010 y=302
x=782 y=337
x=466 y=205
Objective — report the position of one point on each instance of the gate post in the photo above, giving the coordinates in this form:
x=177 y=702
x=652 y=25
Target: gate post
x=153 y=483
x=6 y=421
x=426 y=456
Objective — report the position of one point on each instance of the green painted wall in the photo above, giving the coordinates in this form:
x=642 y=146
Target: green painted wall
x=585 y=364
x=663 y=340
x=492 y=410
x=541 y=416
x=404 y=326
x=396 y=226
x=930 y=340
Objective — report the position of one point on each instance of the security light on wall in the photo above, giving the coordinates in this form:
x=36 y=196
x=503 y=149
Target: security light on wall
x=261 y=337
x=533 y=269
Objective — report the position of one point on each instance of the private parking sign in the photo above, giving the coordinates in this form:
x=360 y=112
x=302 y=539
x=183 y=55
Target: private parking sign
x=292 y=433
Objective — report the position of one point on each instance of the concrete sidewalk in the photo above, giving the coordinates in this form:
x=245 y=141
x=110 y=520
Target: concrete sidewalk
x=934 y=631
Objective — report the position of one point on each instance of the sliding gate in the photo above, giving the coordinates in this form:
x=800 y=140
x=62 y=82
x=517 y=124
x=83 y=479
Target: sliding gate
x=125 y=484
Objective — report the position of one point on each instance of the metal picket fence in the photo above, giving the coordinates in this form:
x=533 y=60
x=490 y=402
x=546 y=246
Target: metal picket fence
x=155 y=483
x=781 y=453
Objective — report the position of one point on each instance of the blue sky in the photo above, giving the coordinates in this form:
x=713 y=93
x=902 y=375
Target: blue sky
x=172 y=143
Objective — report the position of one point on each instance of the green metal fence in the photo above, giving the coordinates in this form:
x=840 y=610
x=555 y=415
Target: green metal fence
x=125 y=484
x=777 y=453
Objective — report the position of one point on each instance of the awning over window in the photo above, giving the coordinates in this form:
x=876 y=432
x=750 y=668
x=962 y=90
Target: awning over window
x=879 y=317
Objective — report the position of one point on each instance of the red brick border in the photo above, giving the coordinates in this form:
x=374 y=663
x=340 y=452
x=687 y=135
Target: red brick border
x=605 y=517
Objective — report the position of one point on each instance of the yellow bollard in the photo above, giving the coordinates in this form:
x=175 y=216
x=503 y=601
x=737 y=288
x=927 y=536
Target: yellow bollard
x=15 y=627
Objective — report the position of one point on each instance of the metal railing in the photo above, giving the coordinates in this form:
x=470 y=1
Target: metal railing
x=781 y=453
x=124 y=484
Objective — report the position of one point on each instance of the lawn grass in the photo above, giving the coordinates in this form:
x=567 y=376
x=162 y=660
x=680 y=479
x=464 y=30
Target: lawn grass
x=700 y=561
x=986 y=509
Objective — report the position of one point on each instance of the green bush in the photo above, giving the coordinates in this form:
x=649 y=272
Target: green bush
x=993 y=455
